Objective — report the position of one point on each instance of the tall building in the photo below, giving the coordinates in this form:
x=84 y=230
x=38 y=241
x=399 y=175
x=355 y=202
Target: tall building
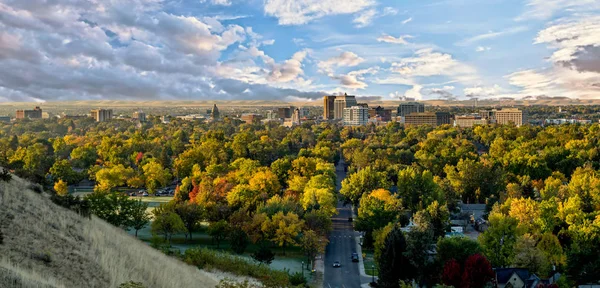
x=304 y=112
x=36 y=113
x=510 y=115
x=341 y=103
x=410 y=107
x=139 y=115
x=214 y=113
x=284 y=112
x=328 y=110
x=356 y=116
x=427 y=118
x=250 y=118
x=490 y=115
x=101 y=115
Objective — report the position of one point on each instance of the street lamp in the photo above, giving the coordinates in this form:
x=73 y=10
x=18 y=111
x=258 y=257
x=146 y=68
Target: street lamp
x=302 y=269
x=373 y=273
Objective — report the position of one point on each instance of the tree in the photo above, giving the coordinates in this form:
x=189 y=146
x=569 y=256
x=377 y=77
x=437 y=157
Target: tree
x=417 y=189
x=263 y=255
x=376 y=210
x=62 y=170
x=155 y=175
x=477 y=272
x=238 y=240
x=439 y=216
x=167 y=224
x=139 y=216
x=379 y=237
x=499 y=239
x=527 y=212
x=114 y=207
x=419 y=242
x=61 y=188
x=451 y=274
x=218 y=231
x=318 y=221
x=190 y=213
x=312 y=244
x=392 y=262
x=361 y=182
x=319 y=193
x=266 y=182
x=527 y=255
x=550 y=246
x=108 y=178
x=458 y=248
x=284 y=228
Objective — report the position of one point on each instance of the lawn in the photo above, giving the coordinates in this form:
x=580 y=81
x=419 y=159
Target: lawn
x=369 y=262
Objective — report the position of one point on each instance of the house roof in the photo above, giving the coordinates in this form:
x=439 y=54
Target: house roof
x=503 y=275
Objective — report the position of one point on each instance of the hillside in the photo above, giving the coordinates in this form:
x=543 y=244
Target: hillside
x=48 y=246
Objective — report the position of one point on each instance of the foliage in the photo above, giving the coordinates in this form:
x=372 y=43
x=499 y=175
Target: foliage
x=238 y=240
x=312 y=245
x=5 y=175
x=131 y=284
x=477 y=272
x=527 y=255
x=218 y=231
x=451 y=274
x=417 y=189
x=297 y=279
x=190 y=213
x=167 y=224
x=393 y=265
x=139 y=216
x=498 y=241
x=61 y=188
x=263 y=255
x=115 y=208
x=457 y=248
x=364 y=181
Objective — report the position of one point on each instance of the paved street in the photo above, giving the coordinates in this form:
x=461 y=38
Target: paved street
x=341 y=245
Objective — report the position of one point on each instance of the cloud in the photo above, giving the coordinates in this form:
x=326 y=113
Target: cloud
x=365 y=18
x=394 y=40
x=218 y=2
x=426 y=62
x=407 y=20
x=345 y=59
x=389 y=11
x=492 y=35
x=298 y=12
x=414 y=92
x=544 y=9
x=481 y=91
x=483 y=48
x=355 y=79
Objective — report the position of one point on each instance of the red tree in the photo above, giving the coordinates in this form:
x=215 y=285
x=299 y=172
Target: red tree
x=451 y=274
x=478 y=271
x=194 y=191
x=139 y=157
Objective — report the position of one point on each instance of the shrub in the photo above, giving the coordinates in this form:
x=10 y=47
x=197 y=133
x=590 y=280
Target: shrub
x=43 y=256
x=226 y=283
x=1 y=237
x=5 y=175
x=132 y=284
x=36 y=188
x=205 y=258
x=74 y=203
x=263 y=255
x=297 y=279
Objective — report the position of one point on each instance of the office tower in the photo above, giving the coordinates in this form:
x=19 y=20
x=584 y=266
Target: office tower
x=139 y=115
x=214 y=113
x=101 y=115
x=410 y=107
x=510 y=115
x=355 y=116
x=427 y=118
x=328 y=107
x=342 y=102
x=284 y=112
x=36 y=113
x=381 y=113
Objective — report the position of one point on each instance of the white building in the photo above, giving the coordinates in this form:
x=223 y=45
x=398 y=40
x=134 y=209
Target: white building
x=101 y=115
x=356 y=116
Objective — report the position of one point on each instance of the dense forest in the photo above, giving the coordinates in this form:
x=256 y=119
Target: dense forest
x=276 y=186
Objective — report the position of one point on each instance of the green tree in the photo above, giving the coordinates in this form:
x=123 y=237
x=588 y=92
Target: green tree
x=550 y=246
x=319 y=193
x=190 y=214
x=218 y=231
x=155 y=175
x=263 y=255
x=376 y=210
x=139 y=217
x=527 y=255
x=458 y=248
x=417 y=189
x=62 y=170
x=238 y=240
x=167 y=224
x=393 y=265
x=312 y=244
x=499 y=239
x=108 y=178
x=114 y=207
x=361 y=182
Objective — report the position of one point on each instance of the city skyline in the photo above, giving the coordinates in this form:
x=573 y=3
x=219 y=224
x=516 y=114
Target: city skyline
x=297 y=50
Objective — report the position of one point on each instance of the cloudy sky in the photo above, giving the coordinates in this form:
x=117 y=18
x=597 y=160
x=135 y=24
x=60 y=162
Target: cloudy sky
x=297 y=49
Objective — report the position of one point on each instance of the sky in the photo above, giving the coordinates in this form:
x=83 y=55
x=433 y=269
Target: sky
x=298 y=50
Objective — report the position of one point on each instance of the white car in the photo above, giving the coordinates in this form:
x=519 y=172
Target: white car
x=336 y=264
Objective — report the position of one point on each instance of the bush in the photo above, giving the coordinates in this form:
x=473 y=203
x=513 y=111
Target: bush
x=206 y=259
x=263 y=255
x=297 y=279
x=1 y=237
x=36 y=188
x=132 y=284
x=5 y=175
x=74 y=203
x=43 y=256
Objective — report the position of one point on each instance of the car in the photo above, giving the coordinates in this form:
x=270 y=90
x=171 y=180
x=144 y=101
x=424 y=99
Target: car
x=132 y=194
x=355 y=257
x=350 y=219
x=145 y=194
x=336 y=264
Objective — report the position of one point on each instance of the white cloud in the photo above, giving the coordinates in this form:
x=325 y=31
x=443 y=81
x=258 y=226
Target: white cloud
x=365 y=18
x=297 y=12
x=544 y=9
x=392 y=39
x=481 y=91
x=429 y=63
x=414 y=92
x=345 y=59
x=407 y=20
x=218 y=2
x=492 y=35
x=268 y=42
x=389 y=11
x=483 y=48
x=355 y=79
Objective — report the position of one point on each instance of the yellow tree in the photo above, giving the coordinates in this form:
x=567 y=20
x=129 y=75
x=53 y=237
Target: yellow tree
x=266 y=182
x=155 y=175
x=61 y=188
x=319 y=193
x=284 y=228
x=108 y=178
x=527 y=211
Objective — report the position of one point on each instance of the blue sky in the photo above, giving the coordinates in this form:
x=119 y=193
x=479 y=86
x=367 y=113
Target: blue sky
x=298 y=49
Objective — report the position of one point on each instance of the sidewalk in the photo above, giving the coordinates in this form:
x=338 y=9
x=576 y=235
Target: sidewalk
x=364 y=278
x=317 y=279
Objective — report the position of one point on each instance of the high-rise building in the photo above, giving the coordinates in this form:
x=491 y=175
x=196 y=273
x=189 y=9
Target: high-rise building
x=304 y=112
x=510 y=115
x=490 y=115
x=250 y=118
x=341 y=103
x=356 y=116
x=101 y=115
x=214 y=113
x=381 y=113
x=139 y=115
x=467 y=121
x=427 y=118
x=410 y=107
x=36 y=113
x=284 y=112
x=328 y=110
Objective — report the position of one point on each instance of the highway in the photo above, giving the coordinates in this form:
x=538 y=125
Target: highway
x=342 y=243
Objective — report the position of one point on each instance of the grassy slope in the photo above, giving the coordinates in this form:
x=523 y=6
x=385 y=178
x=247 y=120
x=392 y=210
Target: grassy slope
x=82 y=252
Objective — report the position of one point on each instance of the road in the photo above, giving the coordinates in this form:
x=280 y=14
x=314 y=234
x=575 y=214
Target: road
x=342 y=243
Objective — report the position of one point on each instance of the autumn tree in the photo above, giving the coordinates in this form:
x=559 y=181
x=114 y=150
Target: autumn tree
x=167 y=224
x=108 y=178
x=451 y=275
x=477 y=272
x=61 y=188
x=155 y=176
x=319 y=194
x=139 y=216
x=284 y=228
x=312 y=244
x=361 y=182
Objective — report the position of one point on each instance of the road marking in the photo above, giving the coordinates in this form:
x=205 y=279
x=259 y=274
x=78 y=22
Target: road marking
x=328 y=285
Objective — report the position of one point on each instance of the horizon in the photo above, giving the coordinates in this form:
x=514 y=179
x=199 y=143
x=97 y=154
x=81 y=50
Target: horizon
x=298 y=50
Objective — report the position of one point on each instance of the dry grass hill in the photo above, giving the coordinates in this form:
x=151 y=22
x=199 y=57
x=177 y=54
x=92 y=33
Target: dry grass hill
x=48 y=246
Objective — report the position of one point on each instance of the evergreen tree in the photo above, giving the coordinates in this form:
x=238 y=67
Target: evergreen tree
x=393 y=265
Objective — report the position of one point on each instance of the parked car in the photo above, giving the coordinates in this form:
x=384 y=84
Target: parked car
x=336 y=264
x=132 y=194
x=145 y=194
x=355 y=257
x=350 y=219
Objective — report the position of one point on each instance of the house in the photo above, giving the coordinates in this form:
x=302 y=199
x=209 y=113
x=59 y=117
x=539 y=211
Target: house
x=521 y=278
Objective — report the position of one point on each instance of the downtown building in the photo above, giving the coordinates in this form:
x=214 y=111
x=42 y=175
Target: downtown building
x=101 y=115
x=342 y=102
x=427 y=118
x=36 y=113
x=504 y=116
x=405 y=109
x=355 y=116
x=328 y=110
x=468 y=121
